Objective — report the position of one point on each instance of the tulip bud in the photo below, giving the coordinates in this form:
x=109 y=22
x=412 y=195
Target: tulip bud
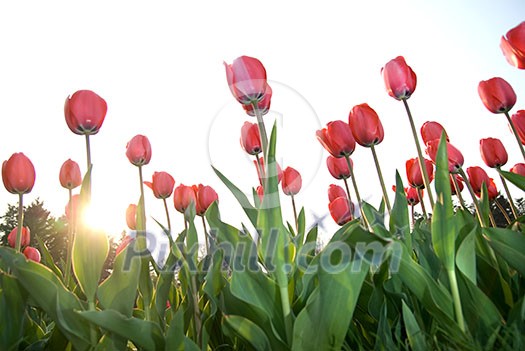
x=493 y=152
x=138 y=150
x=513 y=46
x=292 y=181
x=18 y=174
x=340 y=210
x=365 y=125
x=455 y=157
x=432 y=130
x=250 y=138
x=32 y=254
x=518 y=168
x=85 y=112
x=400 y=80
x=337 y=139
x=26 y=237
x=162 y=184
x=183 y=196
x=204 y=197
x=69 y=175
x=246 y=77
x=518 y=119
x=497 y=95
x=476 y=177
x=338 y=167
x=131 y=216
x=335 y=191
x=414 y=175
x=413 y=196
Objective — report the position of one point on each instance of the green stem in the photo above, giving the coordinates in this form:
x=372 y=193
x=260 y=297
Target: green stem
x=348 y=191
x=141 y=235
x=167 y=216
x=474 y=199
x=88 y=156
x=92 y=331
x=422 y=203
x=262 y=129
x=285 y=304
x=419 y=155
x=507 y=218
x=70 y=228
x=18 y=243
x=458 y=192
x=509 y=197
x=380 y=174
x=514 y=131
x=492 y=220
x=196 y=311
x=350 y=168
x=206 y=238
x=295 y=215
x=457 y=300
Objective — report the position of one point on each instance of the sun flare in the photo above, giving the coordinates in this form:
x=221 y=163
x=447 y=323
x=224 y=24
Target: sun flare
x=101 y=218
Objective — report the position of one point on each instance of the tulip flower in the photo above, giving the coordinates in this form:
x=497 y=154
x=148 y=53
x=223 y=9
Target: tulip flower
x=458 y=181
x=455 y=157
x=476 y=177
x=260 y=193
x=292 y=181
x=246 y=78
x=518 y=168
x=162 y=184
x=337 y=139
x=85 y=112
x=513 y=46
x=183 y=196
x=204 y=197
x=32 y=254
x=497 y=95
x=131 y=217
x=69 y=175
x=335 y=191
x=414 y=176
x=138 y=150
x=492 y=190
x=518 y=119
x=251 y=138
x=400 y=80
x=340 y=210
x=263 y=106
x=18 y=174
x=123 y=244
x=493 y=152
x=26 y=237
x=412 y=196
x=338 y=167
x=431 y=130
x=365 y=125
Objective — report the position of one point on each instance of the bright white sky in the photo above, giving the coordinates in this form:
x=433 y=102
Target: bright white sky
x=158 y=64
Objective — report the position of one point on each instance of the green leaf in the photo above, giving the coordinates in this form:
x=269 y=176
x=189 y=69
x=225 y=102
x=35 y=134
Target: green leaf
x=516 y=179
x=299 y=238
x=46 y=256
x=399 y=219
x=466 y=256
x=142 y=333
x=443 y=222
x=384 y=332
x=509 y=244
x=12 y=304
x=248 y=331
x=376 y=220
x=119 y=291
x=323 y=323
x=416 y=338
x=250 y=211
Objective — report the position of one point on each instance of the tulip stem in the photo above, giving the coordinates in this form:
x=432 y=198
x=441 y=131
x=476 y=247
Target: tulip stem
x=457 y=300
x=348 y=191
x=492 y=220
x=167 y=216
x=474 y=199
x=458 y=192
x=18 y=243
x=350 y=168
x=507 y=218
x=380 y=174
x=515 y=132
x=69 y=238
x=262 y=129
x=509 y=197
x=145 y=283
x=420 y=196
x=295 y=215
x=260 y=170
x=419 y=155
x=206 y=238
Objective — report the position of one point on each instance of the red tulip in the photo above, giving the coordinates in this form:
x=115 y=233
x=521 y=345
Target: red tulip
x=455 y=158
x=493 y=152
x=162 y=184
x=518 y=119
x=335 y=191
x=492 y=190
x=519 y=168
x=183 y=196
x=131 y=216
x=69 y=175
x=365 y=125
x=32 y=254
x=250 y=138
x=337 y=139
x=85 y=112
x=513 y=46
x=260 y=193
x=413 y=196
x=400 y=80
x=476 y=177
x=414 y=176
x=18 y=174
x=247 y=79
x=263 y=105
x=432 y=130
x=75 y=203
x=138 y=150
x=261 y=167
x=123 y=244
x=459 y=180
x=26 y=237
x=497 y=95
x=338 y=167
x=292 y=181
x=340 y=210
x=204 y=197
